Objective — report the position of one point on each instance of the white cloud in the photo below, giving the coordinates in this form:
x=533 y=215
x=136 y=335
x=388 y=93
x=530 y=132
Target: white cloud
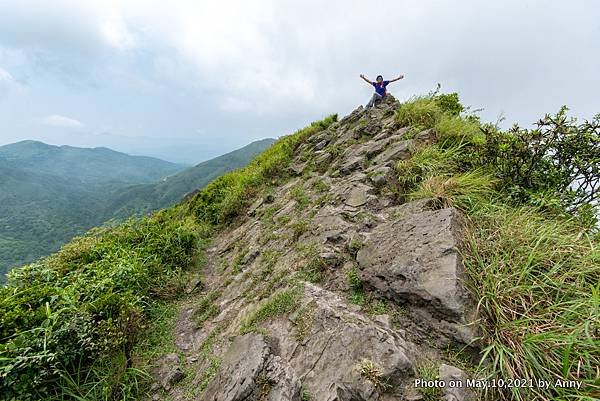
x=7 y=83
x=56 y=120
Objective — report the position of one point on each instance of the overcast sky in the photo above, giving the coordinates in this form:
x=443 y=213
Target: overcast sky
x=188 y=80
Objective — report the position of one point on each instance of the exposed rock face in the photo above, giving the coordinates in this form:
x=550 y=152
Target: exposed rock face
x=415 y=259
x=329 y=342
x=381 y=284
x=249 y=372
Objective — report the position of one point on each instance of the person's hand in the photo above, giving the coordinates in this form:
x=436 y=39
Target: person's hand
x=362 y=75
x=401 y=76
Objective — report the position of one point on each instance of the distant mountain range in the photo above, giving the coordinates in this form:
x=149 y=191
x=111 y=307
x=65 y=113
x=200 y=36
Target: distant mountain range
x=48 y=194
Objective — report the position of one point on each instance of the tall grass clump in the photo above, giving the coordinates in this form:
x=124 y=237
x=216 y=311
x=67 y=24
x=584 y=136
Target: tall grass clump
x=538 y=285
x=532 y=245
x=223 y=199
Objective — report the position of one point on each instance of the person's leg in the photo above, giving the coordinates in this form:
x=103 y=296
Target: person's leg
x=373 y=99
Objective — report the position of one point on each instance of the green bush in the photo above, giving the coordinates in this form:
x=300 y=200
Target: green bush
x=69 y=312
x=559 y=158
x=422 y=111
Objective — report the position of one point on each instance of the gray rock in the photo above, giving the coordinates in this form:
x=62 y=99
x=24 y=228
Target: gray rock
x=344 y=392
x=249 y=372
x=461 y=392
x=396 y=151
x=320 y=145
x=415 y=260
x=169 y=372
x=375 y=147
x=380 y=175
x=357 y=197
x=193 y=284
x=257 y=203
x=426 y=137
x=297 y=168
x=351 y=164
x=252 y=253
x=334 y=343
x=322 y=157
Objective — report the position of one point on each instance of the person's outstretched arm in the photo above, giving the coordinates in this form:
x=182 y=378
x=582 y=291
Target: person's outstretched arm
x=397 y=79
x=367 y=80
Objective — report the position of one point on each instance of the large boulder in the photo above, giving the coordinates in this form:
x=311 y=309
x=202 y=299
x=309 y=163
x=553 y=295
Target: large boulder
x=414 y=259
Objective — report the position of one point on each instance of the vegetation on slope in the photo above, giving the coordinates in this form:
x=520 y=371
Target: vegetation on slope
x=533 y=246
x=69 y=322
x=87 y=165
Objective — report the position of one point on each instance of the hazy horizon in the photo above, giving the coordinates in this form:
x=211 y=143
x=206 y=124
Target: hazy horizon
x=178 y=82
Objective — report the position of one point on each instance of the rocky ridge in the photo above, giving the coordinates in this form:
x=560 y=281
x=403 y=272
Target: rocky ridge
x=330 y=288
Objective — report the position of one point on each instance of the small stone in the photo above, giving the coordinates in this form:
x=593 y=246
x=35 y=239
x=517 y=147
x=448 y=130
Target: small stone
x=357 y=197
x=449 y=374
x=426 y=137
x=169 y=371
x=192 y=285
x=297 y=168
x=320 y=145
x=352 y=164
x=379 y=175
x=254 y=206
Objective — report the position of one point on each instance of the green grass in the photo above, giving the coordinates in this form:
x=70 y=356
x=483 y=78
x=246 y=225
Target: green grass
x=421 y=111
x=538 y=285
x=206 y=308
x=429 y=371
x=279 y=304
x=463 y=190
x=223 y=199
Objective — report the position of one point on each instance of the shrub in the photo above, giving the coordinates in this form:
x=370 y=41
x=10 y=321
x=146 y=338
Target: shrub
x=66 y=314
x=559 y=157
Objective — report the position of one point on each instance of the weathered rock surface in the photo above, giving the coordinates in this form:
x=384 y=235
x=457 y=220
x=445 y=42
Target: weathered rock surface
x=415 y=259
x=460 y=392
x=396 y=151
x=249 y=372
x=169 y=371
x=330 y=341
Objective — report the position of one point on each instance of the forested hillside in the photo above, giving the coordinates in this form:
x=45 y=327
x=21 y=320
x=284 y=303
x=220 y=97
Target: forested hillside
x=49 y=194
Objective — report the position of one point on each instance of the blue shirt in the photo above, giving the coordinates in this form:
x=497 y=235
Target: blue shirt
x=380 y=87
